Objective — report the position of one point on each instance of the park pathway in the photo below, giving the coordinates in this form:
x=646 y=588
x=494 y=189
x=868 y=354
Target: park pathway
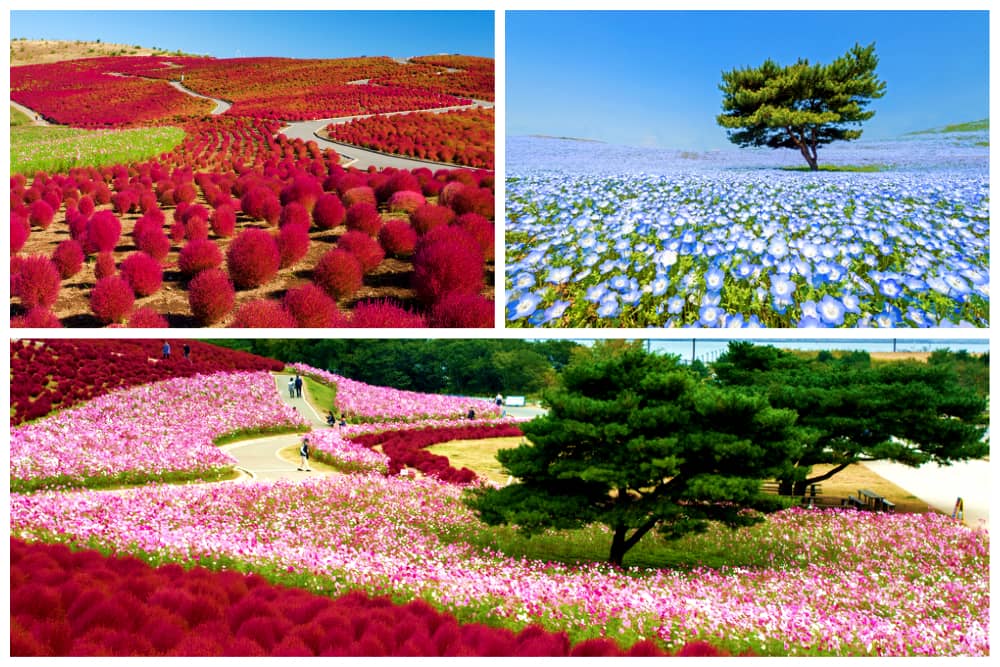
x=36 y=118
x=221 y=106
x=260 y=460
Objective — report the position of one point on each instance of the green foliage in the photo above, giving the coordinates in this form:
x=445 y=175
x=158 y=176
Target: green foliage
x=636 y=441
x=859 y=168
x=800 y=106
x=18 y=118
x=908 y=412
x=971 y=126
x=463 y=367
x=123 y=479
x=59 y=149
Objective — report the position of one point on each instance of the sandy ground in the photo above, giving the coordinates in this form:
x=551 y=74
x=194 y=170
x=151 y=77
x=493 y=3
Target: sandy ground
x=941 y=486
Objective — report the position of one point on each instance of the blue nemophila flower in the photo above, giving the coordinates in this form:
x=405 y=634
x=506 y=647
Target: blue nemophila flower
x=809 y=322
x=809 y=309
x=619 y=283
x=524 y=281
x=675 y=304
x=889 y=288
x=709 y=316
x=659 y=286
x=609 y=306
x=714 y=278
x=556 y=310
x=632 y=296
x=596 y=293
x=782 y=286
x=560 y=275
x=524 y=306
x=831 y=311
x=851 y=303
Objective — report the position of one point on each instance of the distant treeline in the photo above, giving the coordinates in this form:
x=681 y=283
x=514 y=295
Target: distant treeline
x=463 y=367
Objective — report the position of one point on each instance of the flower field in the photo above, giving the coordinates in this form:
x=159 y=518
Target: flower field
x=152 y=431
x=365 y=402
x=68 y=603
x=57 y=374
x=50 y=149
x=464 y=76
x=832 y=582
x=296 y=240
x=693 y=244
x=463 y=137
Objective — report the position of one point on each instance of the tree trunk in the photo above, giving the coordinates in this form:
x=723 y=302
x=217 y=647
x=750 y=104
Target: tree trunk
x=810 y=157
x=618 y=546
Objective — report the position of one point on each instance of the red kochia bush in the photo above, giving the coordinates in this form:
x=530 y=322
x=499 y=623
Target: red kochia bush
x=262 y=313
x=223 y=221
x=105 y=265
x=36 y=318
x=328 y=212
x=384 y=314
x=463 y=311
x=430 y=216
x=398 y=238
x=406 y=201
x=211 y=295
x=261 y=203
x=474 y=200
x=480 y=229
x=253 y=258
x=445 y=266
x=364 y=217
x=35 y=281
x=19 y=232
x=304 y=190
x=112 y=299
x=359 y=194
x=197 y=256
x=143 y=273
x=147 y=318
x=293 y=243
x=312 y=308
x=103 y=231
x=338 y=273
x=364 y=247
x=41 y=214
x=294 y=213
x=68 y=258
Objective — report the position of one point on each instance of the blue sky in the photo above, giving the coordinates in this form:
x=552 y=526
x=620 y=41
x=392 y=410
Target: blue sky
x=651 y=78
x=229 y=34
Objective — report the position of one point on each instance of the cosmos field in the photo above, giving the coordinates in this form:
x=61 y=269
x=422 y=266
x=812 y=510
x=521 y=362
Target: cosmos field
x=612 y=236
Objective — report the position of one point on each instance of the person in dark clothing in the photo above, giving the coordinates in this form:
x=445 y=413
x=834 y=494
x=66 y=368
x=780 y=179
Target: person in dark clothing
x=304 y=453
x=166 y=350
x=187 y=351
x=298 y=386
x=330 y=419
x=471 y=415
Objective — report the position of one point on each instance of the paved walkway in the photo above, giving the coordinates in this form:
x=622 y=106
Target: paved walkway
x=221 y=106
x=940 y=486
x=36 y=118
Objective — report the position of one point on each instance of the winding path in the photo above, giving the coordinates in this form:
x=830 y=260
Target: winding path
x=36 y=118
x=221 y=106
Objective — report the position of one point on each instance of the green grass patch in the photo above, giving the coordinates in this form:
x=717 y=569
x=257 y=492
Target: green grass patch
x=18 y=118
x=981 y=143
x=862 y=168
x=59 y=149
x=971 y=126
x=250 y=433
x=119 y=481
x=320 y=395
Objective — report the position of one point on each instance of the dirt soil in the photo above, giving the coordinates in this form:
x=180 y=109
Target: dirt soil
x=39 y=51
x=389 y=280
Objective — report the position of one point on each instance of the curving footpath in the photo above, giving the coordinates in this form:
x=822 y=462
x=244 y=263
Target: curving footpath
x=36 y=118
x=221 y=106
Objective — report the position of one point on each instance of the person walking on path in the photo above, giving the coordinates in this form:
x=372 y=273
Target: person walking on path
x=298 y=386
x=304 y=453
x=187 y=351
x=291 y=387
x=166 y=350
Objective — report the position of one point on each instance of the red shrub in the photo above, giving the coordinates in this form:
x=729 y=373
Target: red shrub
x=261 y=203
x=329 y=212
x=211 y=295
x=105 y=265
x=177 y=231
x=338 y=273
x=196 y=228
x=147 y=318
x=124 y=202
x=399 y=181
x=358 y=195
x=68 y=258
x=185 y=192
x=406 y=201
x=38 y=317
x=364 y=217
x=154 y=243
x=429 y=216
x=198 y=256
x=385 y=314
x=224 y=221
x=449 y=191
x=103 y=231
x=35 y=281
x=364 y=247
x=446 y=266
x=463 y=311
x=304 y=190
x=293 y=244
x=85 y=205
x=262 y=313
x=398 y=238
x=253 y=258
x=112 y=299
x=41 y=214
x=143 y=273
x=295 y=213
x=19 y=233
x=312 y=308
x=480 y=229
x=474 y=200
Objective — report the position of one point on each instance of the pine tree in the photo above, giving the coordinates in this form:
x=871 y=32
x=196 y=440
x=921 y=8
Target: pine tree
x=801 y=106
x=635 y=441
